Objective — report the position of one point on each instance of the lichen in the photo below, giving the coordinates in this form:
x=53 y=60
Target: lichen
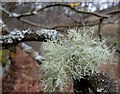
x=47 y=33
x=20 y=34
x=15 y=35
x=75 y=56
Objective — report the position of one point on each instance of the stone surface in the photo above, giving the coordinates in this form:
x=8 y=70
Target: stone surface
x=23 y=75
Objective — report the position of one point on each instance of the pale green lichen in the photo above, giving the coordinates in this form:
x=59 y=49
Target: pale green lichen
x=75 y=56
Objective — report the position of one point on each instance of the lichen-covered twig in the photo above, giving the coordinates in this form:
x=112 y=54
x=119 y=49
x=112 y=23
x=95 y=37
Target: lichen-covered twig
x=16 y=36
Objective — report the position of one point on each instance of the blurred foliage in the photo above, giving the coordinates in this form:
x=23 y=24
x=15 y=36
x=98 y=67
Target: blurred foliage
x=74 y=4
x=111 y=40
x=4 y=57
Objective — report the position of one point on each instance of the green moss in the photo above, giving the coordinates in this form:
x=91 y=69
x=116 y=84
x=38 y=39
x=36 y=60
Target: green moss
x=4 y=57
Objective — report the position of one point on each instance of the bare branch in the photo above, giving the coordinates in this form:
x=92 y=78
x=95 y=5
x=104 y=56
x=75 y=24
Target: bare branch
x=18 y=16
x=117 y=50
x=48 y=6
x=78 y=11
x=35 y=12
x=4 y=10
x=32 y=24
x=72 y=18
x=99 y=29
x=58 y=27
x=114 y=12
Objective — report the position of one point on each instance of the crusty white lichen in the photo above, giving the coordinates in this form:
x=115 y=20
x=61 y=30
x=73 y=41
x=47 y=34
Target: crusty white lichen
x=14 y=35
x=47 y=33
x=76 y=56
x=20 y=34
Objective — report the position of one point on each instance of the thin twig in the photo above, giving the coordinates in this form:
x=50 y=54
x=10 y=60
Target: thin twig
x=32 y=24
x=19 y=16
x=72 y=18
x=99 y=29
x=78 y=11
x=54 y=5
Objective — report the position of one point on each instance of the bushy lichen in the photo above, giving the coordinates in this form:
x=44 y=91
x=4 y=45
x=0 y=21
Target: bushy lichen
x=75 y=56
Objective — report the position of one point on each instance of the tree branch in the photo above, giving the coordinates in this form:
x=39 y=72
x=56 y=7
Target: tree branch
x=35 y=12
x=17 y=36
x=99 y=29
x=33 y=24
x=78 y=11
x=72 y=18
x=77 y=25
x=114 y=12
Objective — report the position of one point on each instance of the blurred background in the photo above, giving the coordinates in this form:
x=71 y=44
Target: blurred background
x=59 y=18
